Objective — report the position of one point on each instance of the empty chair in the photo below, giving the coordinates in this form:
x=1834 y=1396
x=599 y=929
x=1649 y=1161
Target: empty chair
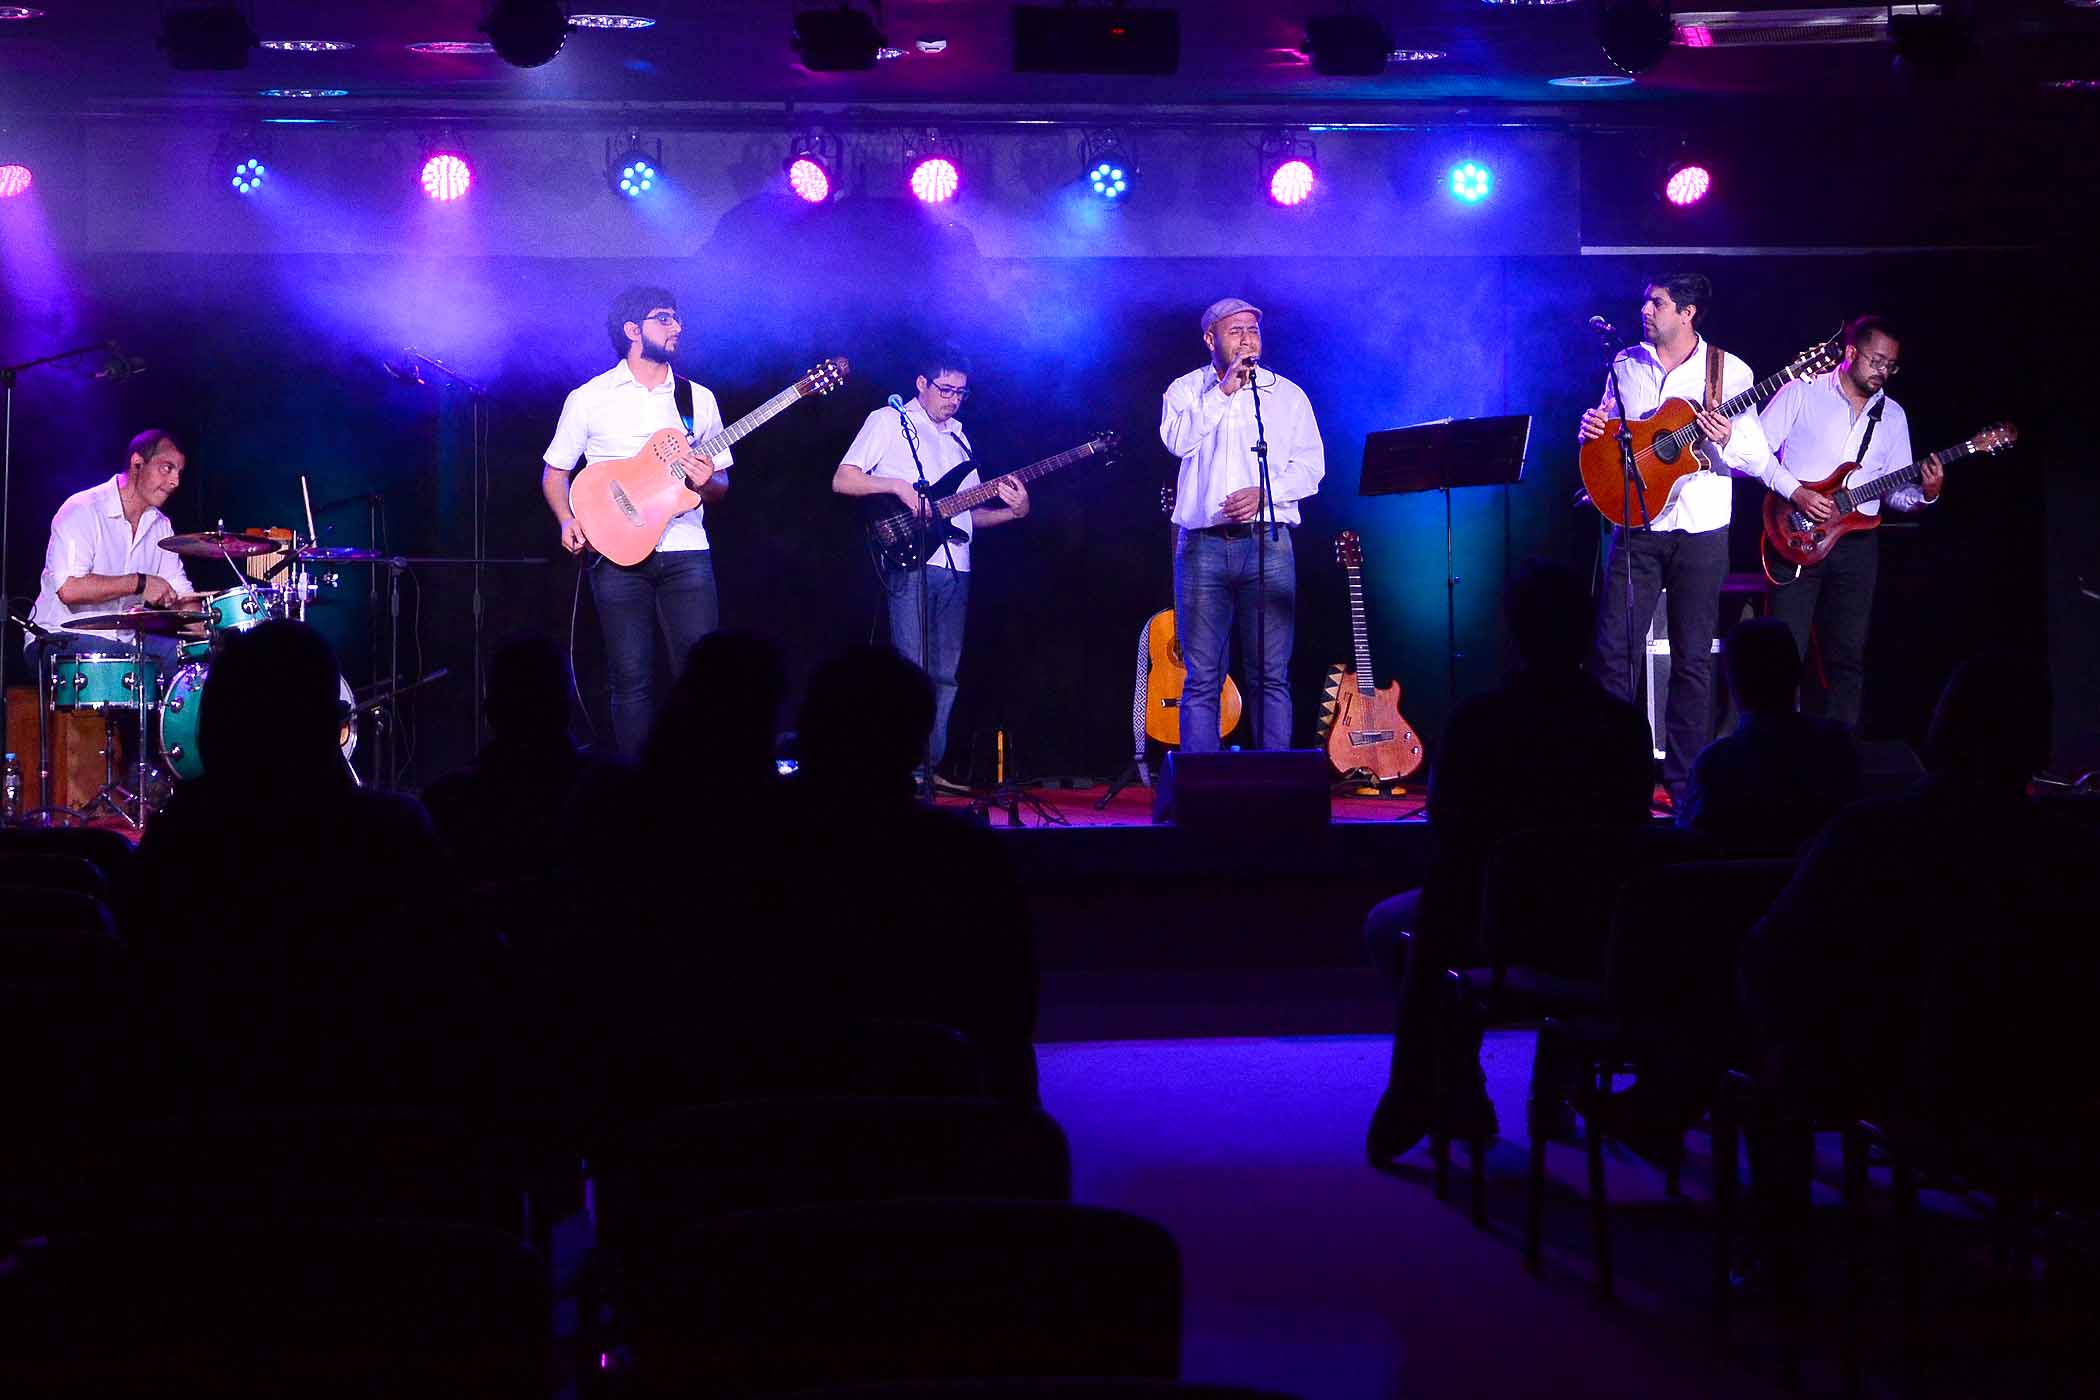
x=278 y=1308
x=772 y=1301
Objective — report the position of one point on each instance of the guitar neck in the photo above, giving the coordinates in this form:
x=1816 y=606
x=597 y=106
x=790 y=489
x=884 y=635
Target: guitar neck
x=750 y=423
x=1896 y=480
x=1762 y=389
x=1365 y=682
x=989 y=490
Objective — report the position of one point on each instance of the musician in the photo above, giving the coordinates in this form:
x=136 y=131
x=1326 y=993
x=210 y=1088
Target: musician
x=1212 y=418
x=104 y=554
x=1817 y=425
x=880 y=462
x=1684 y=549
x=611 y=417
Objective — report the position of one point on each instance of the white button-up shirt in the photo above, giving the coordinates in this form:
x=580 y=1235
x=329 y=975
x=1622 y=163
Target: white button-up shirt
x=1703 y=498
x=612 y=416
x=879 y=449
x=90 y=535
x=1212 y=432
x=1811 y=425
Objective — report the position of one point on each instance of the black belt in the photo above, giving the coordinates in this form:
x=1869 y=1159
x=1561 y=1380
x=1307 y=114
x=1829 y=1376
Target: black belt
x=1231 y=532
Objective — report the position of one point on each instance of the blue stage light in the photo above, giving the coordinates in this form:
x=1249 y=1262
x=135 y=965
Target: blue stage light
x=248 y=176
x=1471 y=182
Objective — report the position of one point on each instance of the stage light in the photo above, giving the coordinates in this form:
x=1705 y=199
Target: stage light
x=446 y=176
x=1471 y=182
x=837 y=40
x=1107 y=169
x=241 y=163
x=527 y=33
x=206 y=36
x=1290 y=169
x=631 y=170
x=814 y=166
x=1634 y=34
x=248 y=176
x=1347 y=45
x=15 y=178
x=1686 y=183
x=932 y=168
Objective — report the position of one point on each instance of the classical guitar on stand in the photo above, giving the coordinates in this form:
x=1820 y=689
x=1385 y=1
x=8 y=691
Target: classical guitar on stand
x=1166 y=672
x=1363 y=728
x=1792 y=541
x=624 y=506
x=892 y=533
x=1668 y=446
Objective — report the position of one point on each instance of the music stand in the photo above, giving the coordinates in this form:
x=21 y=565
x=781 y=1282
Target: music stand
x=1441 y=456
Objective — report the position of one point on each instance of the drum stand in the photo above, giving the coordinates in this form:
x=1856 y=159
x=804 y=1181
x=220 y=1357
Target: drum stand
x=132 y=805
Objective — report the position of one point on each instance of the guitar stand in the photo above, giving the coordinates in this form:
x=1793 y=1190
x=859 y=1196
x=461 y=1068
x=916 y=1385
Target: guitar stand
x=1133 y=773
x=1008 y=797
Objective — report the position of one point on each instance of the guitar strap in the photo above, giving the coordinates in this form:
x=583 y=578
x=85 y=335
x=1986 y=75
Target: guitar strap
x=682 y=395
x=1873 y=420
x=1715 y=355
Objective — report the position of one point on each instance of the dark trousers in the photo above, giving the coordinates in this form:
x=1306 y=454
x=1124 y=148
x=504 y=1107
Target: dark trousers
x=674 y=589
x=1691 y=568
x=1835 y=599
x=1218 y=579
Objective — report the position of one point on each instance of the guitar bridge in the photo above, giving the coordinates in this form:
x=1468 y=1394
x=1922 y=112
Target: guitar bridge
x=1370 y=736
x=627 y=507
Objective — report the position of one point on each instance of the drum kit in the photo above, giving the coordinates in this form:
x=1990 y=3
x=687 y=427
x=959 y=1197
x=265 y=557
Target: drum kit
x=128 y=679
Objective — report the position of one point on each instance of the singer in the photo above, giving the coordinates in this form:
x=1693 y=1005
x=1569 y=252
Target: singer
x=612 y=416
x=900 y=447
x=1213 y=419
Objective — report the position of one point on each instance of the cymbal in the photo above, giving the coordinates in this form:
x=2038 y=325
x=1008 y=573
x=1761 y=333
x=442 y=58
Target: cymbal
x=156 y=622
x=220 y=544
x=340 y=554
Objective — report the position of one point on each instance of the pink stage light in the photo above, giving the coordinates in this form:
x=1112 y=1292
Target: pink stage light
x=809 y=180
x=935 y=180
x=446 y=177
x=1687 y=185
x=1291 y=182
x=14 y=180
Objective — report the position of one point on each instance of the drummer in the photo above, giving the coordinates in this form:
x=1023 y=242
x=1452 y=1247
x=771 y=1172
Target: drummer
x=105 y=554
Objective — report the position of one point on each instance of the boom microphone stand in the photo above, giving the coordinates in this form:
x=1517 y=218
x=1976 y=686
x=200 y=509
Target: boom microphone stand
x=922 y=532
x=1264 y=532
x=1631 y=487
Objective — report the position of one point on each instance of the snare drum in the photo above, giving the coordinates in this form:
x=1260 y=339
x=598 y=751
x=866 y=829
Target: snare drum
x=181 y=718
x=85 y=680
x=194 y=649
x=238 y=609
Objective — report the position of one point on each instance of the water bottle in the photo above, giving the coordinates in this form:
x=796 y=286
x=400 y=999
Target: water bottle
x=11 y=804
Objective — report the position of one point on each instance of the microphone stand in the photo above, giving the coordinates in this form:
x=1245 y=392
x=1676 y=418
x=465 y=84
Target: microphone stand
x=1264 y=532
x=478 y=428
x=1631 y=486
x=922 y=530
x=8 y=375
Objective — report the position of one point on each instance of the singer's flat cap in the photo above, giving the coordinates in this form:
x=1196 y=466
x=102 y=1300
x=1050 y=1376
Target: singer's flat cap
x=1225 y=306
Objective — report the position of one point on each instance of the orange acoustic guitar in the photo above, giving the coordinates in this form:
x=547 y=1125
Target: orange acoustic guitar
x=624 y=506
x=1668 y=446
x=1167 y=673
x=1792 y=541
x=1365 y=731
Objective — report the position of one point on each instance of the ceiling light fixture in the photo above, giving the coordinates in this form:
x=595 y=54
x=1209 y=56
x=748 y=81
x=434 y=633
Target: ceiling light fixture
x=1416 y=56
x=453 y=46
x=932 y=167
x=631 y=170
x=611 y=22
x=15 y=178
x=527 y=33
x=815 y=166
x=1107 y=168
x=308 y=45
x=304 y=92
x=1290 y=169
x=1591 y=80
x=19 y=12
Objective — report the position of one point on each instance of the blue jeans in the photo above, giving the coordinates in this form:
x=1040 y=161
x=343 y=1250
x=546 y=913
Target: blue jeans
x=1214 y=588
x=675 y=588
x=947 y=599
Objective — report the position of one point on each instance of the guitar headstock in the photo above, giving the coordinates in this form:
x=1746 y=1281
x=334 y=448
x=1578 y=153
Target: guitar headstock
x=1166 y=497
x=1107 y=443
x=1349 y=550
x=824 y=376
x=1820 y=358
x=1995 y=438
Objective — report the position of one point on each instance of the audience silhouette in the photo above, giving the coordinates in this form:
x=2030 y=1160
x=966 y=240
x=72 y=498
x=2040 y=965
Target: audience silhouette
x=1768 y=787
x=1546 y=748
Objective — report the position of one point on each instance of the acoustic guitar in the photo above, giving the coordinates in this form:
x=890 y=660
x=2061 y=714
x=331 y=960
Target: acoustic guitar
x=892 y=534
x=1167 y=673
x=1364 y=729
x=1792 y=541
x=625 y=505
x=1668 y=446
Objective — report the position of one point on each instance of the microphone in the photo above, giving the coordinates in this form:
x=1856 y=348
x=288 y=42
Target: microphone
x=895 y=402
x=118 y=365
x=407 y=369
x=1602 y=326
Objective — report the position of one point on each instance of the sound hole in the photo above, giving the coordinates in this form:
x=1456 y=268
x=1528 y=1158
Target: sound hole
x=1666 y=449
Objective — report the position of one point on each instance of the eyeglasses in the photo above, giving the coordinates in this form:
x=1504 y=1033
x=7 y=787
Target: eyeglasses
x=664 y=318
x=954 y=393
x=1882 y=363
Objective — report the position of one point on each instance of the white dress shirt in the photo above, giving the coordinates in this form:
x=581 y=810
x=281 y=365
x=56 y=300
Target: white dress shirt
x=879 y=449
x=1212 y=432
x=1703 y=498
x=1810 y=424
x=90 y=535
x=612 y=416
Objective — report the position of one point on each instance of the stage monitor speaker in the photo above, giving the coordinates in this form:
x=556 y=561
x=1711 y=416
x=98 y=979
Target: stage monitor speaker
x=1888 y=767
x=1261 y=792
x=1118 y=41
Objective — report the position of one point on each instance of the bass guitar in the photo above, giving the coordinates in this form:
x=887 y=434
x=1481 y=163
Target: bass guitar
x=1166 y=672
x=1668 y=446
x=625 y=505
x=1361 y=721
x=1792 y=541
x=895 y=537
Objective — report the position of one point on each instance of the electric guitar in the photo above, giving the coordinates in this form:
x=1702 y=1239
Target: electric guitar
x=625 y=505
x=1361 y=721
x=1167 y=673
x=1668 y=446
x=1792 y=541
x=893 y=534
